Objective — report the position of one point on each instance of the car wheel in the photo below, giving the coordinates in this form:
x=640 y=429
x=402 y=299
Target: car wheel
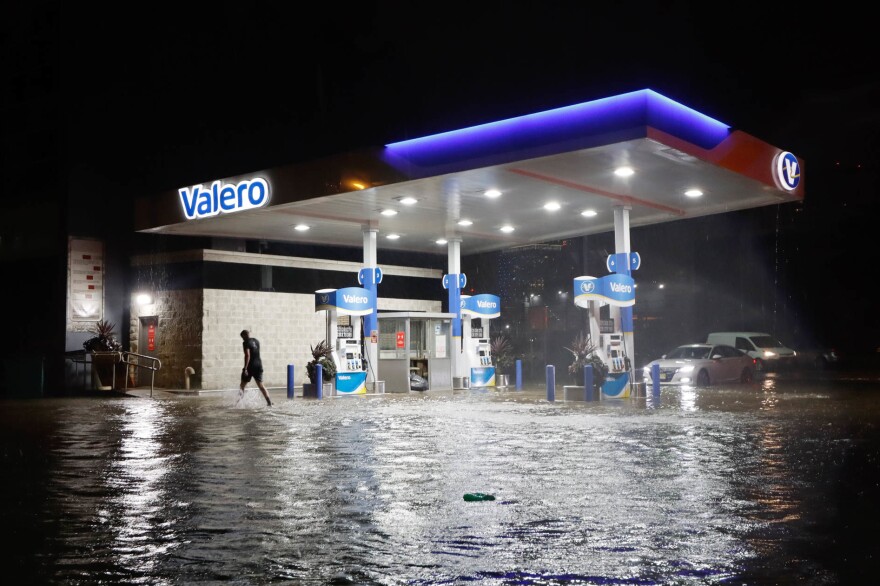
x=747 y=376
x=703 y=379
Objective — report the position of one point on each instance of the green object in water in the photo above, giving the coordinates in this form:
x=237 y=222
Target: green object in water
x=478 y=496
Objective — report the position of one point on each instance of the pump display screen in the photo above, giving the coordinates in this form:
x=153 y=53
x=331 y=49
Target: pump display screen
x=349 y=356
x=482 y=352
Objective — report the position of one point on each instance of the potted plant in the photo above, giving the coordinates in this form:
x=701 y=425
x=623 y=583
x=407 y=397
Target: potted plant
x=105 y=350
x=322 y=354
x=502 y=355
x=583 y=353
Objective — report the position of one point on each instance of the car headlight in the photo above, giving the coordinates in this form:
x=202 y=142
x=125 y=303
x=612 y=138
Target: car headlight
x=688 y=368
x=769 y=354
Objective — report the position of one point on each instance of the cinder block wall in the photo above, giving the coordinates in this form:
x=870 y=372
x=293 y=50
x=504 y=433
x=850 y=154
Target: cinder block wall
x=179 y=337
x=200 y=328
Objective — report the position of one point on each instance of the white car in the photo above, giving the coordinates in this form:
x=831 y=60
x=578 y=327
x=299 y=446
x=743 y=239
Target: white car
x=701 y=365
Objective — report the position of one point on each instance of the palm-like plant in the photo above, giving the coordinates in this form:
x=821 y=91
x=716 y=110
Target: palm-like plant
x=104 y=339
x=322 y=354
x=584 y=352
x=502 y=352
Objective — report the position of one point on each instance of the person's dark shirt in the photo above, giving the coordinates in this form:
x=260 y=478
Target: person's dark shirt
x=253 y=345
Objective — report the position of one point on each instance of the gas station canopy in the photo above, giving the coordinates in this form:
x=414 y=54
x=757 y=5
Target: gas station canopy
x=526 y=180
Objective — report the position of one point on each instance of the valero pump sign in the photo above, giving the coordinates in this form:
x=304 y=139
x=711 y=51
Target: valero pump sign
x=347 y=301
x=614 y=289
x=223 y=198
x=485 y=305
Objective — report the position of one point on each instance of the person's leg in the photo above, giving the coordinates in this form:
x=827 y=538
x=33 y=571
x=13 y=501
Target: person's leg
x=265 y=393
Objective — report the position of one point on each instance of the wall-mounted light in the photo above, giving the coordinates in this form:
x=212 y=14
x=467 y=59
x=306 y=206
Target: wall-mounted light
x=144 y=299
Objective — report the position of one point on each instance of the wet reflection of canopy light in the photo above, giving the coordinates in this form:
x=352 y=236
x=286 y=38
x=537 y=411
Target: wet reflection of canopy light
x=624 y=171
x=693 y=193
x=588 y=213
x=689 y=399
x=506 y=229
x=393 y=236
x=301 y=227
x=464 y=222
x=492 y=193
x=389 y=212
x=144 y=299
x=551 y=206
x=441 y=241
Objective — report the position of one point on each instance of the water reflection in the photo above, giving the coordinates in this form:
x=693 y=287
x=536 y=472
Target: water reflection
x=708 y=486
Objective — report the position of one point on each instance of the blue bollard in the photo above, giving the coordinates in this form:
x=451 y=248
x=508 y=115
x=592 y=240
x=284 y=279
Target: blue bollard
x=519 y=375
x=588 y=382
x=655 y=379
x=551 y=383
x=319 y=370
x=290 y=381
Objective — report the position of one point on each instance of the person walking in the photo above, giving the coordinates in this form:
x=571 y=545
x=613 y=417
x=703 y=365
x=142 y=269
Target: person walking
x=253 y=365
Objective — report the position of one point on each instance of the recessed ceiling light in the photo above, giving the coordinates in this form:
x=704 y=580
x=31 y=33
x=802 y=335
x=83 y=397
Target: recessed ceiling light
x=493 y=193
x=301 y=227
x=393 y=236
x=464 y=222
x=693 y=193
x=588 y=213
x=506 y=228
x=552 y=206
x=408 y=201
x=624 y=171
x=441 y=241
x=389 y=212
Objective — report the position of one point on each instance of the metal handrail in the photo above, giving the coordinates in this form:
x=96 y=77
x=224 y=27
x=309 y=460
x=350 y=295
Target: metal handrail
x=153 y=367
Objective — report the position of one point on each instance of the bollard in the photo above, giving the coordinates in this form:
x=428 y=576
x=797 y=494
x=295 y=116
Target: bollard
x=551 y=383
x=319 y=376
x=519 y=375
x=655 y=380
x=290 y=381
x=588 y=382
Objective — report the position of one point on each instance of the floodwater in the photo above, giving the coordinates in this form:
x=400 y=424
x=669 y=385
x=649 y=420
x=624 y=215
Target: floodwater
x=774 y=482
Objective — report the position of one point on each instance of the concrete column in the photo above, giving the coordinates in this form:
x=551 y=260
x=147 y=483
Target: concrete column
x=453 y=286
x=622 y=245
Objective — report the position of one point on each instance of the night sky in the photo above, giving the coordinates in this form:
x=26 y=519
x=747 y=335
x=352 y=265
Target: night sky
x=164 y=96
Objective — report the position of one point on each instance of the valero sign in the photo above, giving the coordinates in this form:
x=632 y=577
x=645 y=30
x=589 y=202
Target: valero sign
x=348 y=301
x=485 y=305
x=614 y=289
x=223 y=198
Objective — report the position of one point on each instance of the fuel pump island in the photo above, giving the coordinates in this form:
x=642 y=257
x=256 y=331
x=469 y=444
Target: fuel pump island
x=477 y=349
x=612 y=347
x=347 y=354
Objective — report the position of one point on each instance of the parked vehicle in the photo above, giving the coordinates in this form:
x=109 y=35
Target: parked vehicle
x=702 y=365
x=768 y=352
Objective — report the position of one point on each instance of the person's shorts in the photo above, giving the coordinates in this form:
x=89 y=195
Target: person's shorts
x=256 y=374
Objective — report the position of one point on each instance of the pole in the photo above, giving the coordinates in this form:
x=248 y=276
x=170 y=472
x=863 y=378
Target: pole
x=290 y=381
x=551 y=383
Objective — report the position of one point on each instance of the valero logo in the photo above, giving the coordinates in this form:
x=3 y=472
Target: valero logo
x=198 y=202
x=788 y=171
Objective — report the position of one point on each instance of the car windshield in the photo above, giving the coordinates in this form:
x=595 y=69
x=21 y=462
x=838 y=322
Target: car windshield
x=690 y=352
x=766 y=342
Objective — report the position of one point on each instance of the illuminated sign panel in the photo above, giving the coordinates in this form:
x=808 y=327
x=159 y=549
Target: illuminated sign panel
x=788 y=171
x=198 y=202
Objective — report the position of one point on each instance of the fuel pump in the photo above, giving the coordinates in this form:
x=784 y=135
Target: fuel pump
x=477 y=350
